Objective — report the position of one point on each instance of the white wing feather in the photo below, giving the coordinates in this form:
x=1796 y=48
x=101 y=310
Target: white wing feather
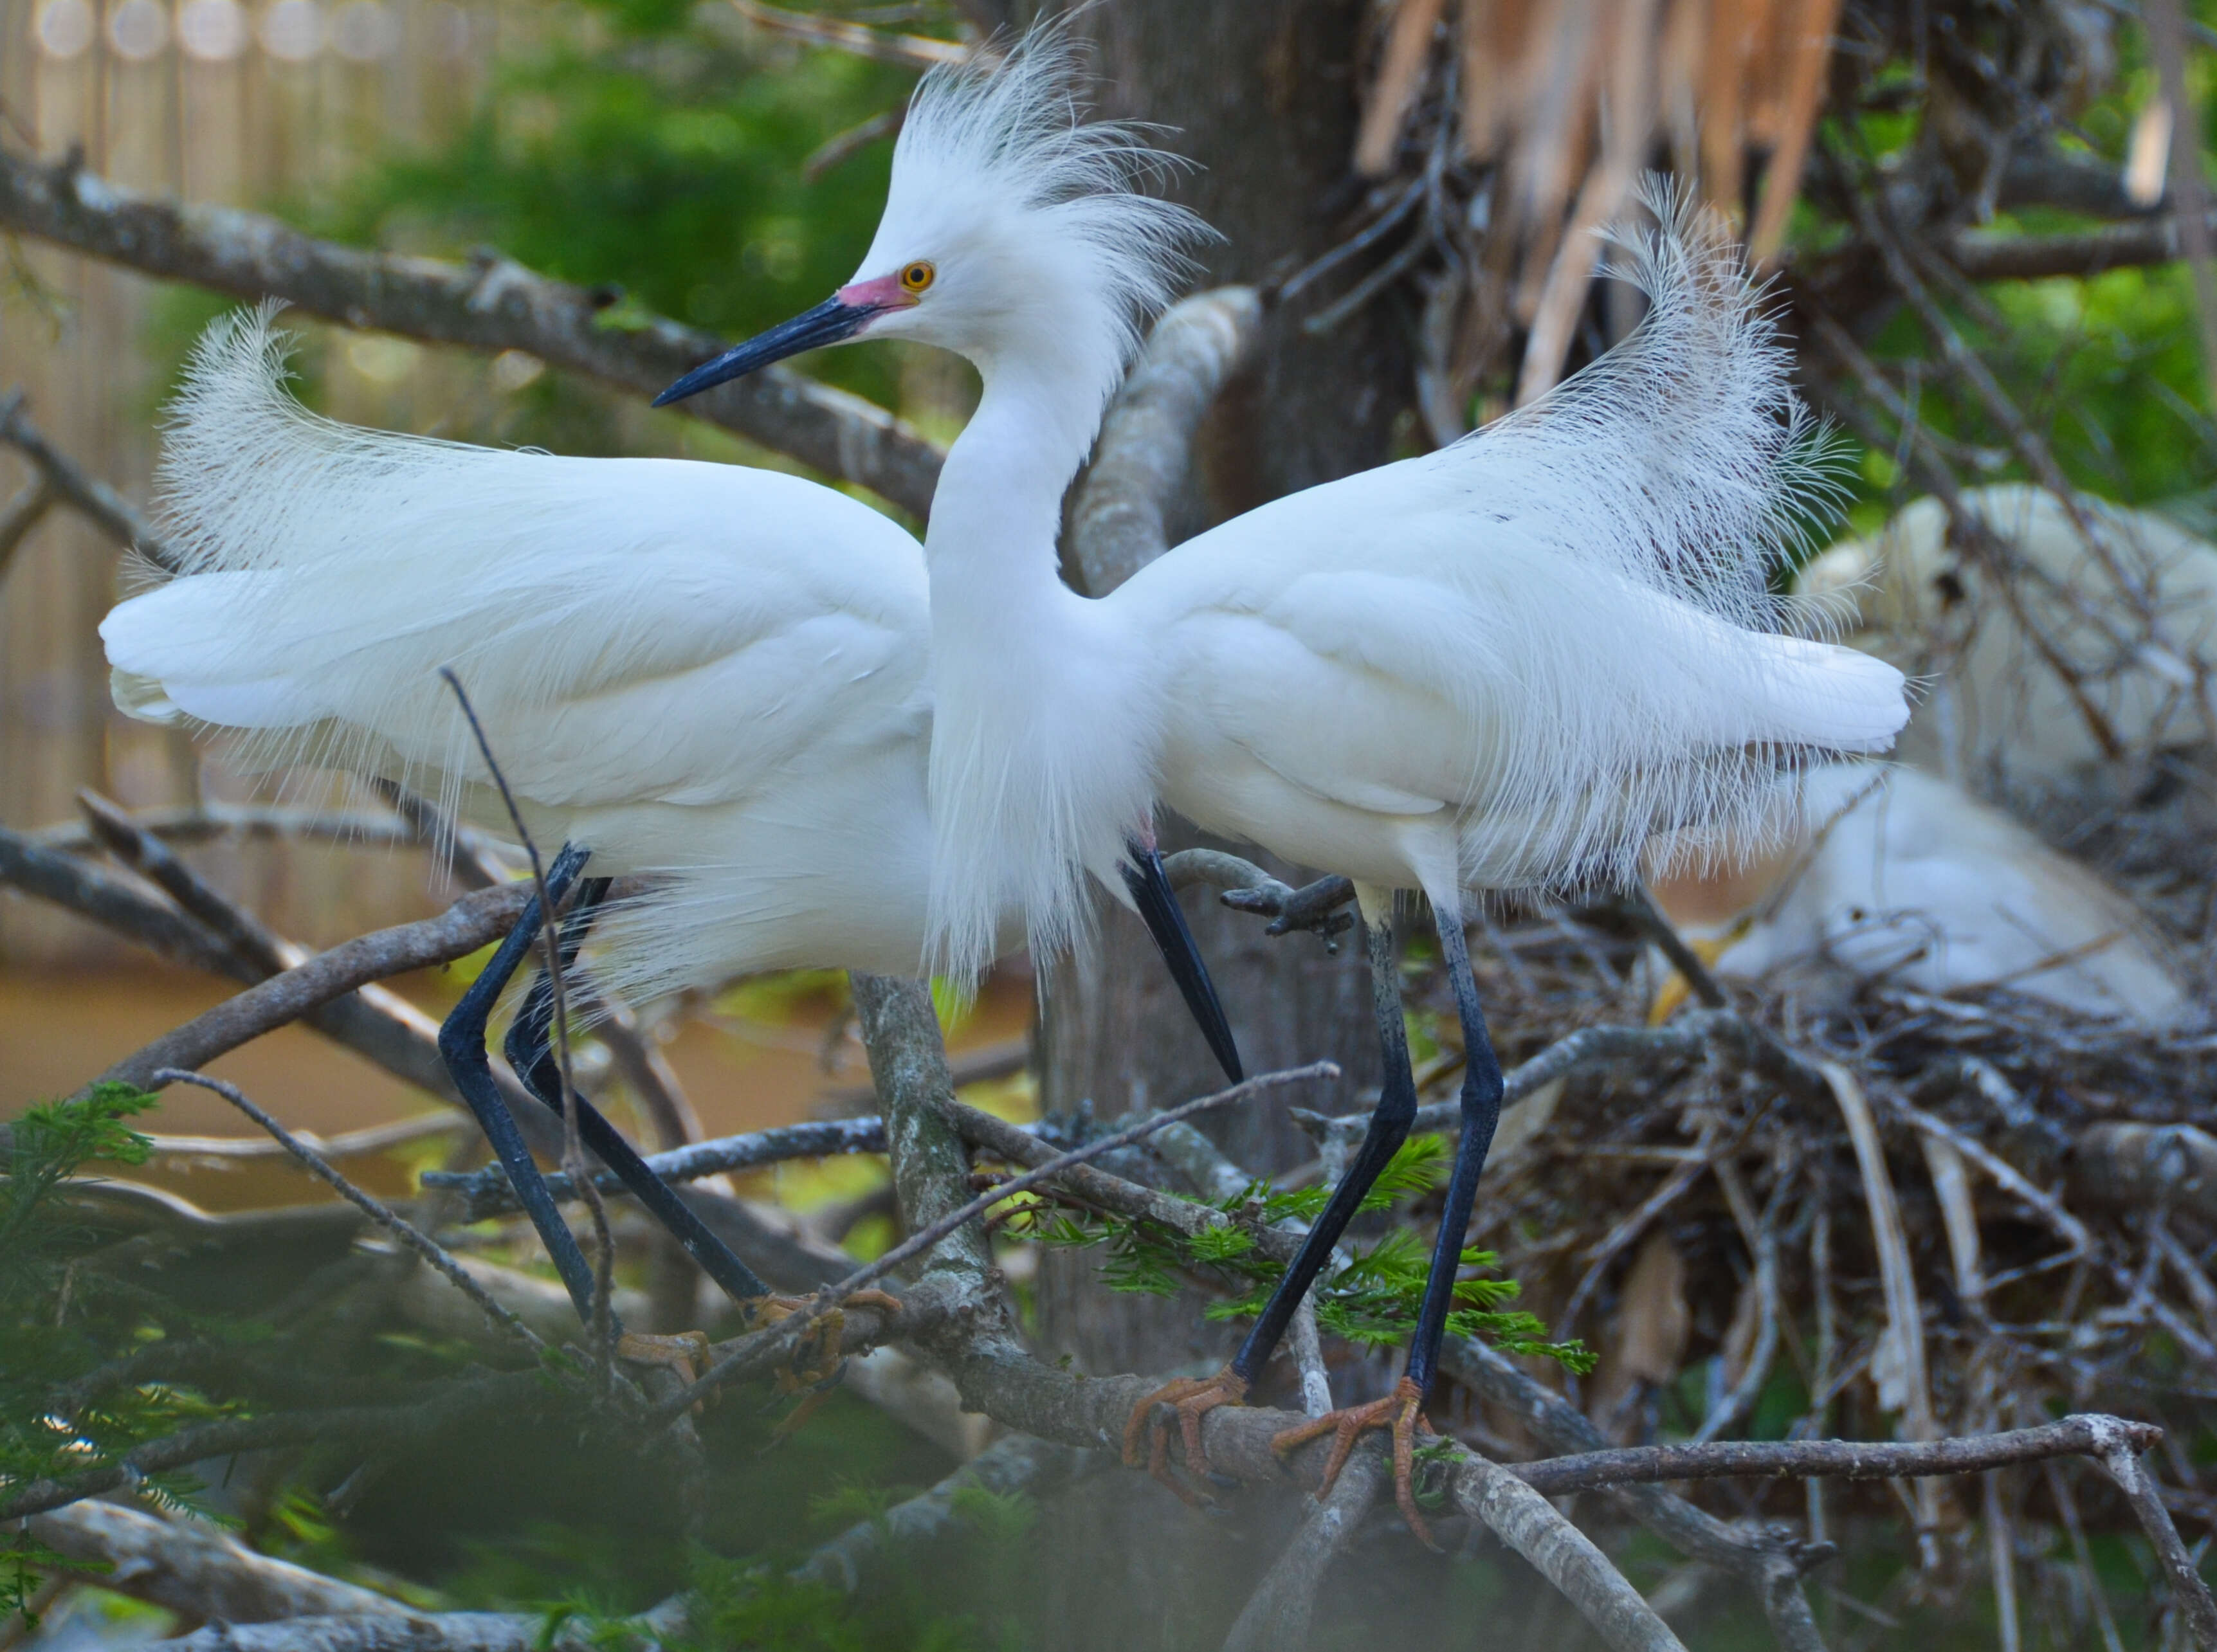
x=1559 y=628
x=670 y=660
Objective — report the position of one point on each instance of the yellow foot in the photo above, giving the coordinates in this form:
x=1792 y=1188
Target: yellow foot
x=817 y=1360
x=685 y=1354
x=1190 y=1399
x=1402 y=1411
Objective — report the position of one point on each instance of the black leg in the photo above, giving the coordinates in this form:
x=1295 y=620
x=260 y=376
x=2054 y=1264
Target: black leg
x=1165 y=920
x=462 y=1045
x=1481 y=1112
x=530 y=1051
x=1389 y=1128
x=530 y=1046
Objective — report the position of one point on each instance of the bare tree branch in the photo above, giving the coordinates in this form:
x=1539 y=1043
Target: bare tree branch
x=351 y=1144
x=1772 y=1565
x=2041 y=175
x=1562 y=1554
x=2081 y=1435
x=1592 y=1046
x=62 y=481
x=2118 y=1444
x=110 y=903
x=1989 y=256
x=488 y=1193
x=195 y=1570
x=879 y=46
x=1016 y=1464
x=468 y=924
x=237 y=931
x=491 y=304
x=1278 y=1614
x=406 y=1046
x=1097 y=1187
x=1146 y=437
x=2165 y=22
x=429 y=1631
x=931 y=1171
x=372 y=1020
x=201 y=822
x=922 y=1239
x=979 y=1347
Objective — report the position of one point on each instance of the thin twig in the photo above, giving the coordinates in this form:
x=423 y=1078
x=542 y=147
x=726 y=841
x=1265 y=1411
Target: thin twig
x=405 y=1231
x=2084 y=1435
x=2001 y=1560
x=574 y=1162
x=488 y=1194
x=100 y=504
x=199 y=823
x=352 y=1144
x=1760 y=1233
x=2118 y=1452
x=1905 y=1314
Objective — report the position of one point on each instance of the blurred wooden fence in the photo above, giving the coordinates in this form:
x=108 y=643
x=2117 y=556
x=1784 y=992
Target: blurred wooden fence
x=216 y=100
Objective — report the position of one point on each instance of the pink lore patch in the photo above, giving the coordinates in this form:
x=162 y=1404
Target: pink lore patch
x=881 y=293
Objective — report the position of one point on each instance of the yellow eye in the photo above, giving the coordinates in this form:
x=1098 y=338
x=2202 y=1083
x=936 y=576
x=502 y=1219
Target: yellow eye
x=917 y=276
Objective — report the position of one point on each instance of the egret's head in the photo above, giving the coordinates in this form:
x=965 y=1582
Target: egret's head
x=1014 y=233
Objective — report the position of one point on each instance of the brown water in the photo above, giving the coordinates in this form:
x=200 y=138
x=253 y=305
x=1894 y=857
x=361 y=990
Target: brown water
x=58 y=1029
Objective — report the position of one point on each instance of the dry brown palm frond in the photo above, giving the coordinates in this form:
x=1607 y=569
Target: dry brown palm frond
x=1554 y=107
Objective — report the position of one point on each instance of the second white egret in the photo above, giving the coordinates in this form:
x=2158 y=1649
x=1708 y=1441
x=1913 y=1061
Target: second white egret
x=1505 y=665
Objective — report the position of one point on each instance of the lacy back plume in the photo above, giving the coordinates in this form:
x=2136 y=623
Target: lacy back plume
x=1680 y=463
x=313 y=545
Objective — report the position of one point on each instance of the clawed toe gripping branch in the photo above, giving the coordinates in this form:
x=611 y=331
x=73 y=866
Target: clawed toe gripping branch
x=1401 y=1414
x=1189 y=1399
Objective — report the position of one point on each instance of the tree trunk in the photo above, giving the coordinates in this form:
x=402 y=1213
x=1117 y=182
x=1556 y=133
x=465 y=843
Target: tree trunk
x=1262 y=97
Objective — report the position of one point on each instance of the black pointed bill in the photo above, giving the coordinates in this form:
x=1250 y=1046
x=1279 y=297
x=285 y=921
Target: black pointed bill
x=1165 y=920
x=831 y=322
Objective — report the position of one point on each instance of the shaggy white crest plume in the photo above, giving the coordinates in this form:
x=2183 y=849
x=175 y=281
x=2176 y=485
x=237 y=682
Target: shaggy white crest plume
x=1046 y=245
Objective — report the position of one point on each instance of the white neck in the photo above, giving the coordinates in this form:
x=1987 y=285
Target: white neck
x=1041 y=751
x=998 y=511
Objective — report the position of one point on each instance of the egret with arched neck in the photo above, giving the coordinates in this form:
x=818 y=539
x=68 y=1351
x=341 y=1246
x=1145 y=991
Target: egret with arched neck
x=1506 y=665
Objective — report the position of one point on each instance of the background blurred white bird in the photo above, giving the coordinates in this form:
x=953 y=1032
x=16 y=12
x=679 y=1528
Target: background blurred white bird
x=1503 y=665
x=1895 y=876
x=1999 y=715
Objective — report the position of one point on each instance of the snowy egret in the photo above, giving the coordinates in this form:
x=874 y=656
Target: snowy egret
x=1890 y=874
x=709 y=675
x=2000 y=712
x=1505 y=664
